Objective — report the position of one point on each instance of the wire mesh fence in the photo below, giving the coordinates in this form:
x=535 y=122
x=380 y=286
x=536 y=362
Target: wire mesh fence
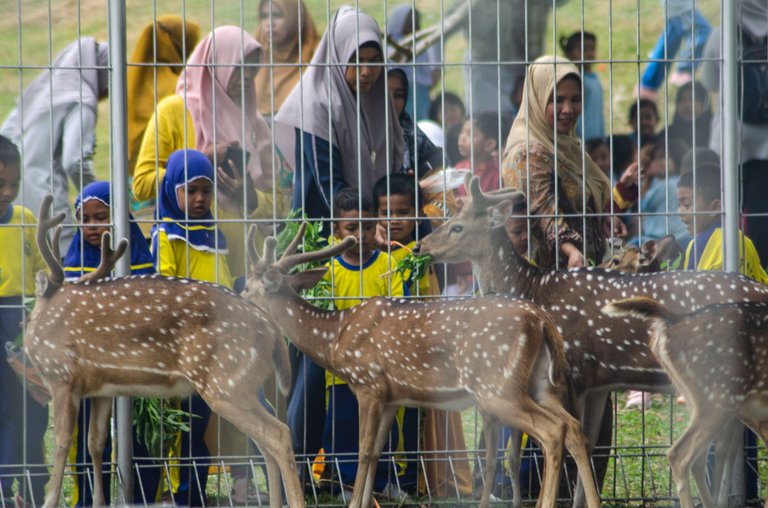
x=364 y=120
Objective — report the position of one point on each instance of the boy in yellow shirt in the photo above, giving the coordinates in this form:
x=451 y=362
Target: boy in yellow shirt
x=22 y=420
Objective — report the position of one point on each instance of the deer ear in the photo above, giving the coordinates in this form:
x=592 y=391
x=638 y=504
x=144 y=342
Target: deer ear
x=648 y=252
x=499 y=213
x=307 y=279
x=669 y=253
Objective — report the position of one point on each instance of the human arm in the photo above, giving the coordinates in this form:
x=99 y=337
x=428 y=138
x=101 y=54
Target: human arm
x=163 y=255
x=77 y=145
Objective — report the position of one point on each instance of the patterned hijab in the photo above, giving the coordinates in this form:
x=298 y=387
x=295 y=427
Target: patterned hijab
x=323 y=93
x=167 y=41
x=183 y=167
x=209 y=69
x=83 y=257
x=280 y=80
x=531 y=125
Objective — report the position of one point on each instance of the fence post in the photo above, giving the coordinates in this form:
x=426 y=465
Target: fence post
x=119 y=159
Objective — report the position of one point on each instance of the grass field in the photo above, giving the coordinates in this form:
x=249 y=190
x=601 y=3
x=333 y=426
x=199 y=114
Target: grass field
x=35 y=30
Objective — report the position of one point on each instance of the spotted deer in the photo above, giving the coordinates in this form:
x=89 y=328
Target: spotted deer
x=503 y=355
x=152 y=336
x=604 y=353
x=716 y=357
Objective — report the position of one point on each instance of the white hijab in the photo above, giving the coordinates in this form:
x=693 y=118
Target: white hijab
x=323 y=92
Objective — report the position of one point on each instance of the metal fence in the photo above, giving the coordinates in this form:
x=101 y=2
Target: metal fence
x=99 y=118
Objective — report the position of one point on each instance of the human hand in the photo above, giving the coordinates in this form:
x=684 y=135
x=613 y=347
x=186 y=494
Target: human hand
x=629 y=177
x=614 y=226
x=243 y=193
x=573 y=254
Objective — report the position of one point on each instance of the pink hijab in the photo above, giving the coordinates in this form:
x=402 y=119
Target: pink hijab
x=206 y=85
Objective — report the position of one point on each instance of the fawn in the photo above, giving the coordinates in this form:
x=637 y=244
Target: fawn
x=502 y=354
x=604 y=353
x=714 y=357
x=153 y=336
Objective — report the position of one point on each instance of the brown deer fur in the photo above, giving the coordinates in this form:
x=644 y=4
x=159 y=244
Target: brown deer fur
x=154 y=336
x=502 y=354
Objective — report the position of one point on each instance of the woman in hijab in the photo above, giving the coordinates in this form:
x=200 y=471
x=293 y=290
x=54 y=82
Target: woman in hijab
x=288 y=35
x=214 y=108
x=543 y=152
x=53 y=124
x=335 y=89
x=400 y=25
x=167 y=41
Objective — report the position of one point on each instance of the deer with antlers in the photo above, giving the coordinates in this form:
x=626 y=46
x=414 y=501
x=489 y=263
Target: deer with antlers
x=502 y=354
x=715 y=356
x=604 y=353
x=153 y=336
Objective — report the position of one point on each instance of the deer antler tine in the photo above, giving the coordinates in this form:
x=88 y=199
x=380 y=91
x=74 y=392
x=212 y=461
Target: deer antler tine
x=291 y=249
x=108 y=258
x=55 y=242
x=51 y=258
x=286 y=263
x=270 y=246
x=253 y=254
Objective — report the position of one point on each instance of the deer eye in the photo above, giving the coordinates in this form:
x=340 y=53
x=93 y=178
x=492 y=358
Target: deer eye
x=457 y=228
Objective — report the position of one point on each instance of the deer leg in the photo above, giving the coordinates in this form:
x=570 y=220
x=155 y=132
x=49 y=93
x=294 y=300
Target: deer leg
x=382 y=436
x=592 y=412
x=98 y=430
x=369 y=416
x=726 y=447
x=576 y=444
x=689 y=447
x=515 y=452
x=491 y=428
x=65 y=407
x=521 y=412
x=274 y=440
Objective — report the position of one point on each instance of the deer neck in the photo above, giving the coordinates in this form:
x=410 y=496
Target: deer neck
x=312 y=330
x=501 y=270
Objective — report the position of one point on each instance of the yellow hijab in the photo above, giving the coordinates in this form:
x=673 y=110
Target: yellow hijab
x=284 y=77
x=174 y=38
x=531 y=126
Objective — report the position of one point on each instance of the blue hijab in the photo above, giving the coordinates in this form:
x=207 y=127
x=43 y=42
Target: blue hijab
x=83 y=257
x=184 y=166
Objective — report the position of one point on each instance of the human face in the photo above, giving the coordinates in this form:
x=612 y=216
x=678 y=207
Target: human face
x=364 y=231
x=648 y=121
x=10 y=177
x=454 y=115
x=196 y=198
x=398 y=92
x=400 y=216
x=277 y=31
x=687 y=205
x=686 y=108
x=659 y=163
x=242 y=84
x=474 y=143
x=590 y=50
x=94 y=216
x=602 y=157
x=517 y=231
x=369 y=74
x=566 y=108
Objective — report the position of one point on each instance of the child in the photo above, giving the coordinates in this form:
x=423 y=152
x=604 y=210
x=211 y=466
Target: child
x=645 y=131
x=600 y=152
x=398 y=198
x=92 y=211
x=594 y=123
x=479 y=146
x=23 y=421
x=360 y=268
x=187 y=243
x=700 y=212
x=454 y=110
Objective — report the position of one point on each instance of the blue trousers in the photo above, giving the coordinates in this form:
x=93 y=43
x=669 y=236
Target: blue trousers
x=306 y=408
x=22 y=420
x=193 y=447
x=678 y=30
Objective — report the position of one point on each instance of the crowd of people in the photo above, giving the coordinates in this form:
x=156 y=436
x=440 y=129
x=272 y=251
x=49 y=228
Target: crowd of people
x=231 y=128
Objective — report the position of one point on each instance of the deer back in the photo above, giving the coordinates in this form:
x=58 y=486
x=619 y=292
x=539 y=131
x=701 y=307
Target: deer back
x=149 y=335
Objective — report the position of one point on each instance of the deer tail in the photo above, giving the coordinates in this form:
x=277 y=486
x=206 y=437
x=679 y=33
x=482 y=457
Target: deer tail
x=641 y=307
x=282 y=363
x=553 y=343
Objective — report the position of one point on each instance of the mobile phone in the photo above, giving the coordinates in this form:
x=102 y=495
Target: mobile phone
x=234 y=153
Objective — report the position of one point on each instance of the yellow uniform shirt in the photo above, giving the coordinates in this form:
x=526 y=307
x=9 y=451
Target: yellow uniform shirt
x=171 y=257
x=20 y=258
x=426 y=285
x=346 y=278
x=712 y=256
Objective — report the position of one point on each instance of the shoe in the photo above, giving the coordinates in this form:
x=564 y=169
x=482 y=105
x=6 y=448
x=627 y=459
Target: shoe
x=393 y=491
x=679 y=79
x=638 y=400
x=243 y=496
